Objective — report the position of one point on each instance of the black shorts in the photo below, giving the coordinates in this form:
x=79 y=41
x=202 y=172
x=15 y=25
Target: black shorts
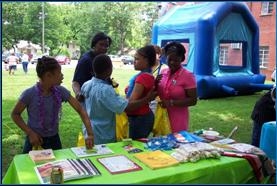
x=12 y=67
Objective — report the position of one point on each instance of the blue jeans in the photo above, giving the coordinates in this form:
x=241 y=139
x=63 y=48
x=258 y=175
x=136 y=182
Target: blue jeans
x=256 y=134
x=141 y=126
x=52 y=142
x=25 y=66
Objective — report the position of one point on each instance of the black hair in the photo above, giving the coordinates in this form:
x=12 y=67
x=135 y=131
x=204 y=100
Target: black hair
x=46 y=64
x=148 y=52
x=101 y=64
x=98 y=37
x=177 y=48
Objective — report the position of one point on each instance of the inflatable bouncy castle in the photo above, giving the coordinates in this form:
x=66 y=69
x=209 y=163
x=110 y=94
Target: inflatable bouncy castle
x=222 y=44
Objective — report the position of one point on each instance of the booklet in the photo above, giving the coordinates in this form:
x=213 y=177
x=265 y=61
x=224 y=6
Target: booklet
x=246 y=148
x=156 y=159
x=96 y=151
x=119 y=164
x=42 y=156
x=72 y=169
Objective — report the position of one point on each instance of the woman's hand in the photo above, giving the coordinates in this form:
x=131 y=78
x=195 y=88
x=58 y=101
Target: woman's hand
x=35 y=139
x=114 y=83
x=89 y=142
x=152 y=94
x=165 y=103
x=157 y=80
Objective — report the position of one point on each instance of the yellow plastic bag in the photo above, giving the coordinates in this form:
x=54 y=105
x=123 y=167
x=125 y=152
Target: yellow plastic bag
x=121 y=122
x=161 y=123
x=81 y=140
x=121 y=126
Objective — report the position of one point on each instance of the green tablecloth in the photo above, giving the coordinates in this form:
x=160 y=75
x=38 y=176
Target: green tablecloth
x=226 y=170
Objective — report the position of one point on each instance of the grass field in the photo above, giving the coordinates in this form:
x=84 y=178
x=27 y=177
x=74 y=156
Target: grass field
x=221 y=114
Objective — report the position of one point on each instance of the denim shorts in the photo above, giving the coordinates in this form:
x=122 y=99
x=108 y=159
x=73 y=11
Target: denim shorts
x=52 y=142
x=141 y=126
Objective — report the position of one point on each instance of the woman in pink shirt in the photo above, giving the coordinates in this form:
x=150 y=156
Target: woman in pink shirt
x=177 y=88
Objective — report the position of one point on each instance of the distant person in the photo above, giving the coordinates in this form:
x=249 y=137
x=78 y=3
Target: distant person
x=99 y=45
x=156 y=70
x=273 y=75
x=177 y=88
x=102 y=102
x=25 y=62
x=159 y=66
x=141 y=120
x=264 y=111
x=12 y=62
x=30 y=57
x=44 y=104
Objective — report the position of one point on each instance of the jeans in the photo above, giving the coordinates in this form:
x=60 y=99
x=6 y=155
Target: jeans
x=25 y=66
x=256 y=134
x=52 y=142
x=141 y=126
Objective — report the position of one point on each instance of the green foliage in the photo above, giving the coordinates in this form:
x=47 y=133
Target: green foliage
x=61 y=51
x=13 y=22
x=128 y=23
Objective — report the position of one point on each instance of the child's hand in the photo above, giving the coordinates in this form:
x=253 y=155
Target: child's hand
x=80 y=97
x=35 y=139
x=89 y=142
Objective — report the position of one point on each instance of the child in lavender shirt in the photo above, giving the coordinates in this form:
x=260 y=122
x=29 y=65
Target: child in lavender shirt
x=43 y=102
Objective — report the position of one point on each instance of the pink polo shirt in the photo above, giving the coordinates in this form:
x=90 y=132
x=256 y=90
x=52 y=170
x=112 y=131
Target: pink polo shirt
x=173 y=87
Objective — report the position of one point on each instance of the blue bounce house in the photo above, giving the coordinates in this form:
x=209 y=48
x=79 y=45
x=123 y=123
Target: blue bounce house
x=222 y=43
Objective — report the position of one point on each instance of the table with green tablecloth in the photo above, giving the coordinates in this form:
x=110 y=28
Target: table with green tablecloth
x=226 y=170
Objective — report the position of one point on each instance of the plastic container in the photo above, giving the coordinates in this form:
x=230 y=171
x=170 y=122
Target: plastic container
x=268 y=139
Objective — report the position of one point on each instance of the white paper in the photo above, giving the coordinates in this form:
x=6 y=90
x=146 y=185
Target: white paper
x=118 y=163
x=101 y=150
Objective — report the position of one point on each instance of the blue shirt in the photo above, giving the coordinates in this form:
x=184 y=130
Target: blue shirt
x=102 y=103
x=30 y=98
x=84 y=70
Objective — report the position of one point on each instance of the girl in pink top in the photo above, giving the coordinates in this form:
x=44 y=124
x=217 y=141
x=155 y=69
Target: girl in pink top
x=177 y=88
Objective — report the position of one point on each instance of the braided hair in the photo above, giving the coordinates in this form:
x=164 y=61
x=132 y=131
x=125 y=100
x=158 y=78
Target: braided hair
x=46 y=64
x=148 y=52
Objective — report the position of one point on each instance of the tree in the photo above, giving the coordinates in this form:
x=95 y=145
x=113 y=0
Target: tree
x=13 y=23
x=128 y=23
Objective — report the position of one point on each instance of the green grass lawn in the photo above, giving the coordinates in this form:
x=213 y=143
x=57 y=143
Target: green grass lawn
x=221 y=114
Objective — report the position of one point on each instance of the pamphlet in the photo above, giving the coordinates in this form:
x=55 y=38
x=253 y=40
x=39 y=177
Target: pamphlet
x=156 y=159
x=246 y=148
x=42 y=156
x=96 y=151
x=224 y=141
x=119 y=164
x=72 y=169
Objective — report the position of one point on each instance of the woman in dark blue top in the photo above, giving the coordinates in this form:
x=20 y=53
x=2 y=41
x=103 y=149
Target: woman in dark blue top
x=99 y=45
